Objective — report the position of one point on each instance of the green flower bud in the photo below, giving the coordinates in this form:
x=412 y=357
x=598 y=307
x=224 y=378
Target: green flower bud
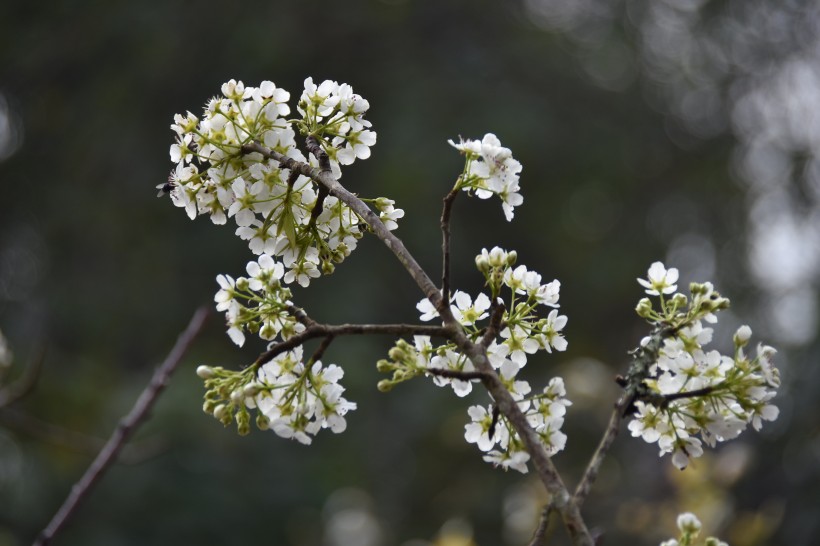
x=252 y=389
x=383 y=203
x=385 y=366
x=385 y=385
x=482 y=263
x=205 y=372
x=644 y=308
x=512 y=257
x=220 y=412
x=262 y=422
x=242 y=284
x=679 y=300
x=328 y=267
x=397 y=354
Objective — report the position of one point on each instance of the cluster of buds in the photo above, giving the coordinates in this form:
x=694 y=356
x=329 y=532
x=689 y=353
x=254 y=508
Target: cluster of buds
x=277 y=210
x=490 y=169
x=521 y=332
x=693 y=395
x=293 y=398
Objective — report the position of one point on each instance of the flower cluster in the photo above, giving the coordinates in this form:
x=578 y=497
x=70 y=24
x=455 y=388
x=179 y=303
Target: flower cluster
x=259 y=303
x=521 y=332
x=490 y=169
x=494 y=435
x=335 y=114
x=278 y=211
x=294 y=399
x=689 y=526
x=694 y=395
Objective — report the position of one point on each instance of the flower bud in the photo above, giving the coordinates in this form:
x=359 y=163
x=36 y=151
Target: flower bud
x=678 y=300
x=385 y=366
x=205 y=372
x=742 y=336
x=383 y=203
x=237 y=396
x=385 y=385
x=482 y=263
x=262 y=422
x=252 y=389
x=512 y=257
x=689 y=524
x=220 y=412
x=242 y=284
x=397 y=354
x=644 y=308
x=208 y=407
x=327 y=267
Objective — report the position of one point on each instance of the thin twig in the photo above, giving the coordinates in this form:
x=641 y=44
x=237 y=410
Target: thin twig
x=456 y=374
x=634 y=388
x=594 y=466
x=445 y=242
x=543 y=524
x=314 y=330
x=496 y=314
x=317 y=354
x=125 y=429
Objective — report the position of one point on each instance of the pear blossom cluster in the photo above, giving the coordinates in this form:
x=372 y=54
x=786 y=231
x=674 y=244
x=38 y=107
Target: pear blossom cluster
x=278 y=211
x=696 y=395
x=490 y=169
x=335 y=114
x=293 y=398
x=496 y=437
x=690 y=526
x=260 y=303
x=521 y=332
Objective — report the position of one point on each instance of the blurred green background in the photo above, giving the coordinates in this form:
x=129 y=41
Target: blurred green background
x=683 y=130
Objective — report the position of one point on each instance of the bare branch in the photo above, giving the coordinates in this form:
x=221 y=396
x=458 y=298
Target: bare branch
x=456 y=374
x=634 y=388
x=594 y=465
x=315 y=330
x=543 y=524
x=562 y=500
x=445 y=242
x=125 y=429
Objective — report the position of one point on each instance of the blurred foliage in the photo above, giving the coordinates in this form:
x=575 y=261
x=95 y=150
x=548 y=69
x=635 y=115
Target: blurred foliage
x=103 y=275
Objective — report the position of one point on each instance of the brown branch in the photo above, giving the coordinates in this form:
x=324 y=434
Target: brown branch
x=496 y=314
x=543 y=524
x=562 y=500
x=594 y=465
x=125 y=429
x=445 y=242
x=634 y=388
x=455 y=374
x=317 y=354
x=315 y=330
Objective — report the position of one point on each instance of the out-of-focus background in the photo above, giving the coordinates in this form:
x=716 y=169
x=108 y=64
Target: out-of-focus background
x=686 y=131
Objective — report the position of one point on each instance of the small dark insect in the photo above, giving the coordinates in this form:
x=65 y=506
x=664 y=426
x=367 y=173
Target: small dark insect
x=493 y=423
x=167 y=187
